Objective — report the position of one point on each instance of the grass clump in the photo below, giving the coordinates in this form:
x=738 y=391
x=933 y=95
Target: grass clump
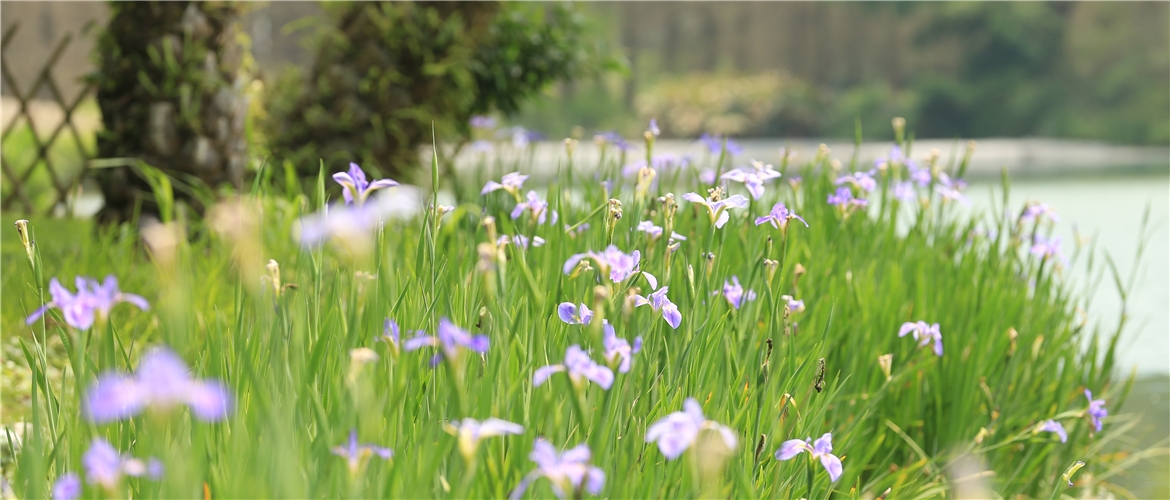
x=432 y=355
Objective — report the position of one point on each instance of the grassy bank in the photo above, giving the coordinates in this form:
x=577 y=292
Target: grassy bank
x=304 y=362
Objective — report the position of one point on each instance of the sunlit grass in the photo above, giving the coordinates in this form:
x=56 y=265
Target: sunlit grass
x=1014 y=354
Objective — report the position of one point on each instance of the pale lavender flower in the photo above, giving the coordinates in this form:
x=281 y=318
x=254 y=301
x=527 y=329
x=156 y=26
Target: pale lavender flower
x=735 y=294
x=920 y=176
x=344 y=222
x=714 y=144
x=450 y=340
x=470 y=432
x=1054 y=427
x=904 y=191
x=161 y=382
x=655 y=232
x=580 y=368
x=537 y=209
x=521 y=137
x=511 y=182
x=676 y=432
x=574 y=315
x=707 y=176
x=67 y=487
x=570 y=472
x=1046 y=248
x=619 y=266
x=653 y=128
x=480 y=121
x=752 y=180
x=924 y=334
x=618 y=351
x=356 y=455
x=844 y=198
x=779 y=217
x=105 y=466
x=92 y=300
x=659 y=302
x=520 y=241
x=861 y=180
x=354 y=186
x=1036 y=211
x=896 y=157
x=717 y=209
x=794 y=305
x=821 y=450
x=1096 y=410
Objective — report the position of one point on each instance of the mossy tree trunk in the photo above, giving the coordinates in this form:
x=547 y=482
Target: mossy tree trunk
x=172 y=84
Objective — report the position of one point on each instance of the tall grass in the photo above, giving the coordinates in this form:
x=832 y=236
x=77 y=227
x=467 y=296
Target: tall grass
x=1014 y=347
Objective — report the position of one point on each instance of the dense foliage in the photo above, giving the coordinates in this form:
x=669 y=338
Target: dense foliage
x=387 y=71
x=938 y=354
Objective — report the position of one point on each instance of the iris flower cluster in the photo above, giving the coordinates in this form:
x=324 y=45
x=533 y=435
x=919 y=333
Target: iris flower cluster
x=161 y=382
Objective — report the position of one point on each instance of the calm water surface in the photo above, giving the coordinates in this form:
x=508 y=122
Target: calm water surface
x=1110 y=210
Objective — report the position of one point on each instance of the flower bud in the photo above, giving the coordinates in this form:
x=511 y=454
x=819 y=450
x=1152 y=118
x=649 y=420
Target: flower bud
x=570 y=146
x=274 y=276
x=770 y=267
x=886 y=362
x=22 y=230
x=797 y=273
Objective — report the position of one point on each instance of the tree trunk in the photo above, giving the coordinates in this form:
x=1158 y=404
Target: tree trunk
x=171 y=87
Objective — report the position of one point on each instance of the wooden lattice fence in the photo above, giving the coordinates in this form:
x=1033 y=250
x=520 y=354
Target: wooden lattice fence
x=35 y=180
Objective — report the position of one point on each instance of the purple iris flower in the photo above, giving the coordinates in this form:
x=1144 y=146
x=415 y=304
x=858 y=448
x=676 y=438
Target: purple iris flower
x=105 y=466
x=511 y=183
x=822 y=449
x=391 y=334
x=751 y=180
x=92 y=299
x=569 y=472
x=522 y=137
x=580 y=368
x=1045 y=248
x=779 y=217
x=1054 y=427
x=660 y=303
x=481 y=146
x=480 y=121
x=676 y=432
x=354 y=186
x=653 y=127
x=67 y=487
x=450 y=340
x=471 y=431
x=655 y=232
x=1036 y=211
x=618 y=351
x=618 y=265
x=717 y=210
x=162 y=381
x=714 y=144
x=735 y=294
x=896 y=157
x=356 y=455
x=844 y=198
x=924 y=334
x=573 y=315
x=920 y=176
x=1096 y=410
x=707 y=176
x=536 y=207
x=862 y=180
x=520 y=241
x=904 y=191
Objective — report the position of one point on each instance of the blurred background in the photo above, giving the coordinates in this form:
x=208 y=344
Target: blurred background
x=1072 y=99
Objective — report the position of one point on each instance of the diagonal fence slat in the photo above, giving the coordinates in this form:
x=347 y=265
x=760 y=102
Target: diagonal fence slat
x=18 y=177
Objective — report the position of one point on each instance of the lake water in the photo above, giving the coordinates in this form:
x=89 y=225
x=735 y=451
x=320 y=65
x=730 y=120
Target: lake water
x=1110 y=209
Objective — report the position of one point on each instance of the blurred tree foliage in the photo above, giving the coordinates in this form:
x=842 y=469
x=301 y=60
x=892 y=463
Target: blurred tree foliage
x=385 y=71
x=172 y=86
x=1091 y=70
